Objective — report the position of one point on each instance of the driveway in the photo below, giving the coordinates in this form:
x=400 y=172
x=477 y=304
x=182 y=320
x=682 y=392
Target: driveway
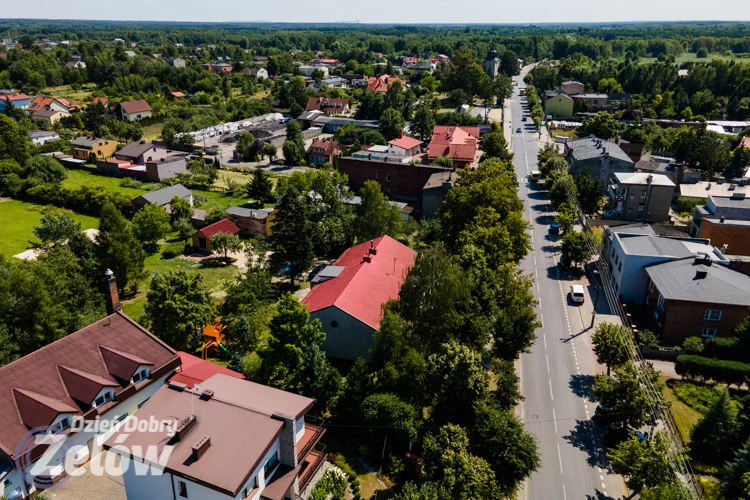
x=90 y=486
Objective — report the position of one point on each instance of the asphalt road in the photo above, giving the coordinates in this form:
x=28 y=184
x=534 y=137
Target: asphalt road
x=556 y=376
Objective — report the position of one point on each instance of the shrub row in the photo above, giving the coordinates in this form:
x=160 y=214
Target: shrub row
x=85 y=199
x=719 y=370
x=725 y=348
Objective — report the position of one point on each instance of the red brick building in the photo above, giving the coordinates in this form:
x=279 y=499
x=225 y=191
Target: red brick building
x=692 y=297
x=323 y=151
x=401 y=181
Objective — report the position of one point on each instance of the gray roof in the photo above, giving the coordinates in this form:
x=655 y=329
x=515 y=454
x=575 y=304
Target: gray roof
x=85 y=141
x=590 y=147
x=439 y=178
x=357 y=200
x=252 y=213
x=641 y=179
x=638 y=244
x=163 y=196
x=310 y=115
x=677 y=280
x=136 y=149
x=634 y=228
x=41 y=133
x=590 y=96
x=702 y=189
x=722 y=202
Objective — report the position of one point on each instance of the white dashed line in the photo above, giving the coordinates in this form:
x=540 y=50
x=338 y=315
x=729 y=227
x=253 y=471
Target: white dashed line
x=550 y=389
x=559 y=457
x=547 y=358
x=554 y=419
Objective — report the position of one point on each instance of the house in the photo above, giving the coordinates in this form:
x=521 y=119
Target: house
x=75 y=64
x=631 y=249
x=335 y=82
x=202 y=237
x=16 y=100
x=176 y=62
x=558 y=105
x=399 y=177
x=381 y=83
x=39 y=137
x=252 y=222
x=326 y=62
x=572 y=87
x=100 y=100
x=636 y=196
x=133 y=110
x=460 y=144
x=162 y=197
x=307 y=119
x=309 y=70
x=84 y=146
x=130 y=53
x=695 y=297
x=404 y=146
x=349 y=302
x=434 y=192
x=104 y=372
x=258 y=73
x=42 y=103
x=590 y=102
x=194 y=371
x=331 y=124
x=323 y=151
x=602 y=158
x=177 y=95
x=328 y=105
x=218 y=67
x=726 y=222
x=234 y=439
x=165 y=168
x=721 y=189
x=139 y=153
x=356 y=80
x=49 y=116
x=120 y=168
x=381 y=153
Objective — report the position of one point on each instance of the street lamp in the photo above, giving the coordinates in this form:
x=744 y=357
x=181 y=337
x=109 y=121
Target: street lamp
x=596 y=297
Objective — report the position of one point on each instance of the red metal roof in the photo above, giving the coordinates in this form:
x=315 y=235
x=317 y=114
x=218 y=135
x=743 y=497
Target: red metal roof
x=405 y=142
x=363 y=287
x=223 y=226
x=14 y=97
x=196 y=370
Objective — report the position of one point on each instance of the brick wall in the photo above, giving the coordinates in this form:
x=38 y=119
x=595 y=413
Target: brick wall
x=406 y=180
x=737 y=237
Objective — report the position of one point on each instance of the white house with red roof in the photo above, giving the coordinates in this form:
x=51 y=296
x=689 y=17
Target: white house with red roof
x=404 y=146
x=348 y=296
x=133 y=110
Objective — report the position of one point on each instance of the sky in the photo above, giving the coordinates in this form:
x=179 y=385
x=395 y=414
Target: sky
x=385 y=11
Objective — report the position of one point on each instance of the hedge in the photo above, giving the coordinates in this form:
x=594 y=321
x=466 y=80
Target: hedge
x=728 y=372
x=85 y=199
x=725 y=348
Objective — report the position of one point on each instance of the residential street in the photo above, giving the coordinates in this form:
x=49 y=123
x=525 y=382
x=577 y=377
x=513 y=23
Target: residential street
x=557 y=375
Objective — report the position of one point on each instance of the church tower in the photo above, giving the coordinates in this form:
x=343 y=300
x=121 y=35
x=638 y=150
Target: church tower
x=492 y=63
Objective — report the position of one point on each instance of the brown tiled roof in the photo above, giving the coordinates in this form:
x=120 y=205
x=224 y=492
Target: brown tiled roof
x=328 y=146
x=138 y=106
x=237 y=419
x=121 y=364
x=328 y=104
x=82 y=386
x=33 y=390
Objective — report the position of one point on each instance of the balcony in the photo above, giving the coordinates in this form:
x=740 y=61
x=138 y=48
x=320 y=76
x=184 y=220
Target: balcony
x=310 y=438
x=311 y=465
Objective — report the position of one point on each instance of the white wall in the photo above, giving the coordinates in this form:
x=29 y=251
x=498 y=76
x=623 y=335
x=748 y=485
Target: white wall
x=299 y=428
x=631 y=280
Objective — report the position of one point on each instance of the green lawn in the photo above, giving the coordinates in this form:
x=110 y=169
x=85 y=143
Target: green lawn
x=692 y=57
x=684 y=416
x=18 y=219
x=152 y=132
x=74 y=96
x=89 y=177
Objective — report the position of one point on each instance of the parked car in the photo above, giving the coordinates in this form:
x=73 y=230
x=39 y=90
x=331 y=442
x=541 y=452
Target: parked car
x=554 y=228
x=577 y=294
x=524 y=119
x=535 y=175
x=518 y=130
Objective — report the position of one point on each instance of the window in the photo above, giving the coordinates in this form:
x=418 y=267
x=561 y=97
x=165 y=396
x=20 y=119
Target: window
x=183 y=488
x=632 y=196
x=388 y=178
x=630 y=210
x=61 y=425
x=708 y=332
x=619 y=268
x=660 y=303
x=643 y=194
x=270 y=464
x=6 y=483
x=377 y=175
x=141 y=375
x=650 y=286
x=640 y=207
x=107 y=396
x=712 y=315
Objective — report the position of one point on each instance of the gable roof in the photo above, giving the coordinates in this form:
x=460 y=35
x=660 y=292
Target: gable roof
x=138 y=106
x=363 y=287
x=328 y=146
x=33 y=392
x=381 y=83
x=121 y=364
x=679 y=280
x=223 y=226
x=326 y=103
x=100 y=100
x=14 y=97
x=40 y=102
x=405 y=142
x=86 y=141
x=163 y=196
x=454 y=142
x=195 y=370
x=136 y=149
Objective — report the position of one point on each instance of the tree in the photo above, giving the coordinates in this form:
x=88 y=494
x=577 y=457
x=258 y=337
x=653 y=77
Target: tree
x=14 y=143
x=292 y=332
x=610 y=345
x=507 y=392
x=494 y=145
x=41 y=169
x=292 y=233
x=243 y=147
x=261 y=186
x=376 y=215
x=734 y=484
x=645 y=464
x=566 y=216
x=293 y=155
x=269 y=150
x=318 y=379
x=423 y=122
x=178 y=307
x=118 y=248
x=56 y=226
x=448 y=462
x=589 y=189
x=488 y=233
x=181 y=209
x=623 y=395
x=357 y=386
x=391 y=123
x=224 y=243
x=389 y=415
x=713 y=437
x=671 y=492
x=578 y=247
x=693 y=345
x=150 y=224
x=215 y=215
x=509 y=63
x=184 y=229
x=603 y=125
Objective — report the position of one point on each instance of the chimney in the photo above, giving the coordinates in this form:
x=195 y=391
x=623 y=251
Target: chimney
x=367 y=258
x=207 y=394
x=373 y=250
x=111 y=295
x=185 y=426
x=401 y=133
x=721 y=219
x=701 y=272
x=200 y=448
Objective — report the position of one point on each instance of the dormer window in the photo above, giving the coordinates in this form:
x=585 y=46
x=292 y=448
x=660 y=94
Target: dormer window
x=140 y=375
x=61 y=425
x=104 y=398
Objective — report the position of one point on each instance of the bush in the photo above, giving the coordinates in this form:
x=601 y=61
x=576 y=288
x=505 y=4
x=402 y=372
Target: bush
x=251 y=366
x=129 y=182
x=693 y=345
x=725 y=348
x=342 y=464
x=697 y=396
x=332 y=483
x=728 y=372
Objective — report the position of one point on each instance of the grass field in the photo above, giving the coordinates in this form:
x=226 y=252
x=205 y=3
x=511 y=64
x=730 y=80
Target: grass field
x=692 y=57
x=74 y=96
x=18 y=218
x=684 y=416
x=152 y=132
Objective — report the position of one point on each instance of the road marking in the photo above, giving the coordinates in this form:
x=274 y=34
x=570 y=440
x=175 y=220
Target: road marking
x=554 y=419
x=559 y=458
x=547 y=358
x=534 y=260
x=550 y=389
x=544 y=336
x=541 y=316
x=565 y=497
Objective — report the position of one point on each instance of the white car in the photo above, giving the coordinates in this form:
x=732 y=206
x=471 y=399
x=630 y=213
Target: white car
x=577 y=294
